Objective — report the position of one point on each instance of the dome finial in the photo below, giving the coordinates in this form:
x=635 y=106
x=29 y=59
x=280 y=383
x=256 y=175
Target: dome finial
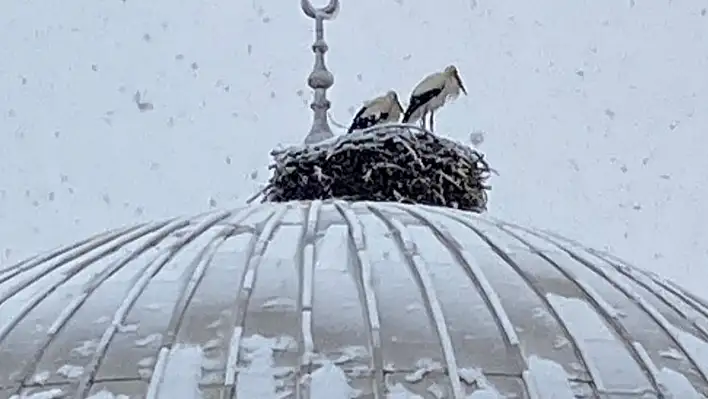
x=320 y=79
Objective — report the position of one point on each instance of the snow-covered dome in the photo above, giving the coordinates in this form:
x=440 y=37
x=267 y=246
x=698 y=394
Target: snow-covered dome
x=336 y=300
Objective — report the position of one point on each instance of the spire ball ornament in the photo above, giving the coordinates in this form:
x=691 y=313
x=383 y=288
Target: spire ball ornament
x=320 y=79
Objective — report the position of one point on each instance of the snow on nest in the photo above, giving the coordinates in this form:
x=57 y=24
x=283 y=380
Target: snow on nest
x=400 y=163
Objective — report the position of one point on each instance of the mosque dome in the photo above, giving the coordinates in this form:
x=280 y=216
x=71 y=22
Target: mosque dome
x=334 y=299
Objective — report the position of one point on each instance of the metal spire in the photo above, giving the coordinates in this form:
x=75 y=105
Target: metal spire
x=320 y=79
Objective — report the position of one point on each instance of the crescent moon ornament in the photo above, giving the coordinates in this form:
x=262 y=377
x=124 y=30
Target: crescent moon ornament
x=320 y=79
x=327 y=12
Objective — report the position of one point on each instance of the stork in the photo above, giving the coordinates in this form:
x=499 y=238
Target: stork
x=381 y=109
x=432 y=93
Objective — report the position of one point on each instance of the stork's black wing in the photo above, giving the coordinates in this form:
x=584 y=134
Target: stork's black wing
x=361 y=122
x=418 y=101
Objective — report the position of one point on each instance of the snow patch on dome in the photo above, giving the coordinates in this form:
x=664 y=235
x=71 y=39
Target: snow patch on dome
x=549 y=379
x=257 y=380
x=329 y=381
x=178 y=372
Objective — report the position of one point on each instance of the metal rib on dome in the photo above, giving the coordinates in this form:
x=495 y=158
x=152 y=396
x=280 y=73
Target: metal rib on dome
x=336 y=300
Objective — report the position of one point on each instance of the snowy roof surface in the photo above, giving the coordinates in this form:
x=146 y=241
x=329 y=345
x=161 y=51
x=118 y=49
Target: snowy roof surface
x=336 y=300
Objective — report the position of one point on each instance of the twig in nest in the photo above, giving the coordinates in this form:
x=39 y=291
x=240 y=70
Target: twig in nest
x=335 y=123
x=401 y=163
x=258 y=194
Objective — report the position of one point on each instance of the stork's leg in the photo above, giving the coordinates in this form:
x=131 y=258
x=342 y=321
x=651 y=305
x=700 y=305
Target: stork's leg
x=422 y=120
x=432 y=115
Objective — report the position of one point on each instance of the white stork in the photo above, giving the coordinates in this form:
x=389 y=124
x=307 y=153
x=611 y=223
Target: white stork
x=381 y=109
x=432 y=93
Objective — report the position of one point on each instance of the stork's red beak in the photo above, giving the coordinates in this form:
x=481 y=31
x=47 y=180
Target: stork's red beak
x=459 y=82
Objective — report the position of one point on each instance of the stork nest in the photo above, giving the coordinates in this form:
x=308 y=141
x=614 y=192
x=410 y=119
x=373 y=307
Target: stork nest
x=400 y=163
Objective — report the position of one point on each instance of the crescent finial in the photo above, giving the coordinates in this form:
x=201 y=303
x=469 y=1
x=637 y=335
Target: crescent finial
x=327 y=12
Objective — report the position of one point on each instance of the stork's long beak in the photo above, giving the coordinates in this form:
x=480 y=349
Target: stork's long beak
x=459 y=82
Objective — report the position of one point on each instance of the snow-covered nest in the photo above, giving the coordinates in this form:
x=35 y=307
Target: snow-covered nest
x=401 y=163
